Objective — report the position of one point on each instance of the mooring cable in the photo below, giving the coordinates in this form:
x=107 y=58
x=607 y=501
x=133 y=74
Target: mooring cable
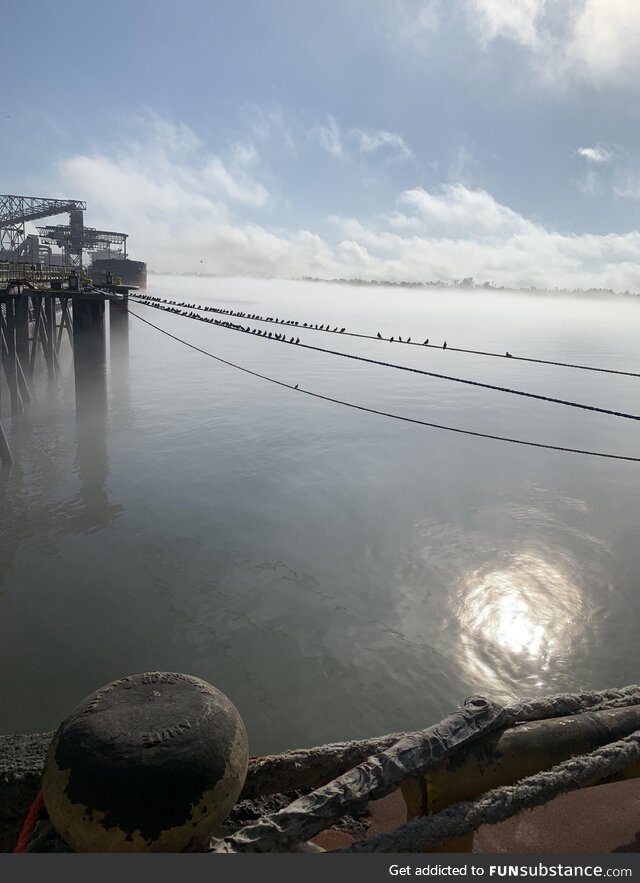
x=510 y=391
x=453 y=349
x=400 y=417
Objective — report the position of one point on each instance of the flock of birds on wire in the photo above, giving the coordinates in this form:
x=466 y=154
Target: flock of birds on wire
x=188 y=310
x=172 y=306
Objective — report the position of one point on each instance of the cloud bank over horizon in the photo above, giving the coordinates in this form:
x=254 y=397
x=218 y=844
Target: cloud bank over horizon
x=408 y=140
x=191 y=210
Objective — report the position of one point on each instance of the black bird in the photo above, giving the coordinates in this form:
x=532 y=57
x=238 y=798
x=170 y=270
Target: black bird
x=408 y=340
x=379 y=336
x=399 y=339
x=391 y=340
x=296 y=386
x=426 y=343
x=297 y=340
x=291 y=340
x=342 y=330
x=444 y=345
x=508 y=355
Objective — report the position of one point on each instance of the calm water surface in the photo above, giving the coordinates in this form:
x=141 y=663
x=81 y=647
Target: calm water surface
x=337 y=574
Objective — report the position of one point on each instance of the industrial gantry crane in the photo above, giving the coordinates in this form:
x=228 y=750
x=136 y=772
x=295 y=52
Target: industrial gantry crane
x=73 y=239
x=15 y=211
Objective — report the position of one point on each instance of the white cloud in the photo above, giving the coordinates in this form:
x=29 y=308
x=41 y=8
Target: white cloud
x=459 y=209
x=514 y=19
x=169 y=168
x=594 y=154
x=604 y=42
x=233 y=184
x=594 y=41
x=372 y=141
x=329 y=137
x=182 y=205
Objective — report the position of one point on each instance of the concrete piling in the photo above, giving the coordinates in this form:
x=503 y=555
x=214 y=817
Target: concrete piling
x=90 y=354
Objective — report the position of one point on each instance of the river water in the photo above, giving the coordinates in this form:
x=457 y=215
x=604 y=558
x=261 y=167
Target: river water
x=337 y=574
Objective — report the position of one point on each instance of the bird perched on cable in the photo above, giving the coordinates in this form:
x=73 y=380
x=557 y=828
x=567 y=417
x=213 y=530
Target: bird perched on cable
x=508 y=355
x=296 y=386
x=444 y=345
x=379 y=336
x=391 y=340
x=426 y=343
x=399 y=339
x=297 y=340
x=342 y=330
x=408 y=340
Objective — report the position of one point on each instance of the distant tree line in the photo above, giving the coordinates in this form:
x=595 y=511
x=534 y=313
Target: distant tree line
x=469 y=282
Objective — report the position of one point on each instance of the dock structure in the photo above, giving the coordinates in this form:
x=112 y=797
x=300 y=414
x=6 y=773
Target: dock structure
x=43 y=302
x=38 y=310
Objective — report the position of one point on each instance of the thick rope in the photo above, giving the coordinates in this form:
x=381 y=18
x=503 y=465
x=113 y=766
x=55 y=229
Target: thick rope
x=376 y=777
x=313 y=767
x=565 y=704
x=499 y=804
x=371 y=780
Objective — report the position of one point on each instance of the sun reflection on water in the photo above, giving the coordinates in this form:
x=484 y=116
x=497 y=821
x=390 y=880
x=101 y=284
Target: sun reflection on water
x=519 y=621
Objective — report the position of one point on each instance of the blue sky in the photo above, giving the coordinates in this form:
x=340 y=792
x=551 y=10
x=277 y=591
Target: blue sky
x=401 y=139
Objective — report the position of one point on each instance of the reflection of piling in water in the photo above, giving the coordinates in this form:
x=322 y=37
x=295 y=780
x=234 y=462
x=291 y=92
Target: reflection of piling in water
x=5 y=451
x=92 y=463
x=90 y=368
x=89 y=355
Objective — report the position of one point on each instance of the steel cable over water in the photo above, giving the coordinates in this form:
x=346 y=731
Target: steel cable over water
x=404 y=419
x=453 y=349
x=232 y=326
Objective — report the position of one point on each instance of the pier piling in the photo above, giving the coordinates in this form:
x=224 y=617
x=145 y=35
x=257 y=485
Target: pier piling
x=10 y=359
x=90 y=353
